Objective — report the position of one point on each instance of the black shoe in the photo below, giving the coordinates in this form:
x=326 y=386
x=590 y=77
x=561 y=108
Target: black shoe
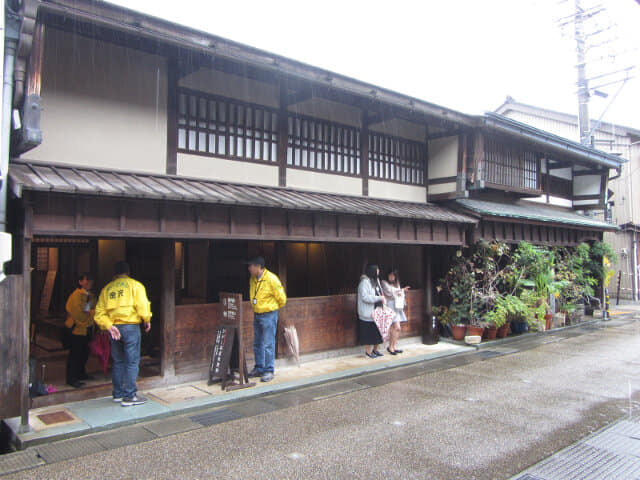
x=378 y=354
x=397 y=351
x=267 y=377
x=254 y=373
x=77 y=384
x=392 y=353
x=135 y=400
x=370 y=355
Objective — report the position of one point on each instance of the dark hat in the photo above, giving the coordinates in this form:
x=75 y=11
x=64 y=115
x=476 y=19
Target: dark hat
x=255 y=261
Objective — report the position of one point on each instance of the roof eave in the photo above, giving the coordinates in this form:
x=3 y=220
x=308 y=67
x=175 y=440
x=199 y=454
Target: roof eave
x=553 y=142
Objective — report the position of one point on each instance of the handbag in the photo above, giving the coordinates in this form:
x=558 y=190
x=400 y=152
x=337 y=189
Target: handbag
x=383 y=318
x=400 y=300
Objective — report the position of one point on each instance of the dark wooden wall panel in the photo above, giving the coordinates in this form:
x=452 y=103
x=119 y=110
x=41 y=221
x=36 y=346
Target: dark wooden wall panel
x=348 y=226
x=322 y=323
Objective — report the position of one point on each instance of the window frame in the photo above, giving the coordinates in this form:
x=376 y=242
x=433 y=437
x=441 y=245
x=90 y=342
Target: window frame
x=291 y=144
x=227 y=132
x=422 y=147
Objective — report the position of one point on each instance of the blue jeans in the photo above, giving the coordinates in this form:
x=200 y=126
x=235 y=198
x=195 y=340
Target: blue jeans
x=264 y=340
x=126 y=360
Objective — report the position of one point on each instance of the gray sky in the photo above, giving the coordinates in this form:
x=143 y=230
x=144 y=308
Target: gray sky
x=462 y=54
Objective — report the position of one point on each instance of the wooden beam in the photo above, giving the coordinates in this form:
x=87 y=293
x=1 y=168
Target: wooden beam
x=478 y=155
x=445 y=134
x=283 y=136
x=428 y=280
x=281 y=249
x=364 y=155
x=172 y=116
x=302 y=95
x=168 y=308
x=25 y=331
x=426 y=166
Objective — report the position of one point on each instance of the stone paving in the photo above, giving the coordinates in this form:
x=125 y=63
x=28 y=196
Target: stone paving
x=481 y=414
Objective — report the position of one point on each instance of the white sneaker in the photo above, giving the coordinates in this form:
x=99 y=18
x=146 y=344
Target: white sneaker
x=117 y=400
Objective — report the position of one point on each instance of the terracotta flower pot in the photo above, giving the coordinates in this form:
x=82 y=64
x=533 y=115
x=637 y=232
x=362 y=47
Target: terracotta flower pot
x=475 y=330
x=503 y=331
x=458 y=331
x=547 y=321
x=491 y=332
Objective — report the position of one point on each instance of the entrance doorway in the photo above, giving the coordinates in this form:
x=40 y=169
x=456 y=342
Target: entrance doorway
x=57 y=263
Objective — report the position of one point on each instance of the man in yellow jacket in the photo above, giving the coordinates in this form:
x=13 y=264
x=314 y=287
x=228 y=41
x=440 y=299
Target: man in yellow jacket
x=79 y=309
x=267 y=297
x=122 y=306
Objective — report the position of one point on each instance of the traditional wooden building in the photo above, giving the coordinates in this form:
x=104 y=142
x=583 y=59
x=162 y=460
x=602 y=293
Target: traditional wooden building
x=185 y=153
x=623 y=200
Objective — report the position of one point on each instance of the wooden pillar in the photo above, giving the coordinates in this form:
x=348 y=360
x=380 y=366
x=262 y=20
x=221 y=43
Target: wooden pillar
x=281 y=253
x=426 y=166
x=428 y=280
x=172 y=116
x=364 y=153
x=168 y=308
x=25 y=334
x=283 y=135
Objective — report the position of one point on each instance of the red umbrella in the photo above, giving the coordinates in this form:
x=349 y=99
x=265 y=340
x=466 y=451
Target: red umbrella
x=100 y=346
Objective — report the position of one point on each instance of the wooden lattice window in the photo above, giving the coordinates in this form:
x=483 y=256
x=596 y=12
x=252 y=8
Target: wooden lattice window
x=220 y=127
x=511 y=165
x=395 y=159
x=319 y=145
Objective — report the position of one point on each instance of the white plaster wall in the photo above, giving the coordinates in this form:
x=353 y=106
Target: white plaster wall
x=442 y=188
x=224 y=170
x=586 y=184
x=443 y=157
x=323 y=182
x=104 y=106
x=232 y=86
x=396 y=191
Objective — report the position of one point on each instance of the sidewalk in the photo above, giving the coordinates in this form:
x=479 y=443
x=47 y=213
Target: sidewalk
x=187 y=414
x=74 y=419
x=613 y=452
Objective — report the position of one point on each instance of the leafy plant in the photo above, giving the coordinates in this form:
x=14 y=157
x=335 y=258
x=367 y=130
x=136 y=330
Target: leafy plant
x=508 y=309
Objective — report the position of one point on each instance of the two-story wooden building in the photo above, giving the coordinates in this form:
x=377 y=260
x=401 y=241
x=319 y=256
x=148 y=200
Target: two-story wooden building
x=185 y=153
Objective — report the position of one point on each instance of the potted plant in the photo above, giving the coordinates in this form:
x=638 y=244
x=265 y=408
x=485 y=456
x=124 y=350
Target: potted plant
x=446 y=318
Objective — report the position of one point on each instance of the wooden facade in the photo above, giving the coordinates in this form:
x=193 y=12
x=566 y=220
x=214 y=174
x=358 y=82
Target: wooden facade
x=511 y=231
x=239 y=144
x=322 y=323
x=110 y=217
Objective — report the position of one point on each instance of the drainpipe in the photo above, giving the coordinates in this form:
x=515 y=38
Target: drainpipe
x=11 y=36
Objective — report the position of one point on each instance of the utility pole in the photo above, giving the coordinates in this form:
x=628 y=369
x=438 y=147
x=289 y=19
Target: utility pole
x=583 y=84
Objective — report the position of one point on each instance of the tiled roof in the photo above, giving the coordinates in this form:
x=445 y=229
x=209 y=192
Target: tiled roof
x=88 y=181
x=531 y=211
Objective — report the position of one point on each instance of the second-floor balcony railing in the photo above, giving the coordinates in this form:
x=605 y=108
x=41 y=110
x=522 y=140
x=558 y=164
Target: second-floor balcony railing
x=509 y=166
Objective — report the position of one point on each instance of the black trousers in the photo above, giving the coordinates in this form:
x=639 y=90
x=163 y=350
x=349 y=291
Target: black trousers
x=77 y=359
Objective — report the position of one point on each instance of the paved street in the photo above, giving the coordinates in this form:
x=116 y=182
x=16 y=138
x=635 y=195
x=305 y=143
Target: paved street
x=486 y=415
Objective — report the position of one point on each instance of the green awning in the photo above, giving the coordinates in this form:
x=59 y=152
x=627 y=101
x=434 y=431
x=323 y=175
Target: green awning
x=531 y=211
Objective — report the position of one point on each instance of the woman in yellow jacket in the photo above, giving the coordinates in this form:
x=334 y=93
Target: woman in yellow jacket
x=80 y=305
x=267 y=297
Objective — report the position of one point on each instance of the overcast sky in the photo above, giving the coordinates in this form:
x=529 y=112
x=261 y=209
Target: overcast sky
x=465 y=54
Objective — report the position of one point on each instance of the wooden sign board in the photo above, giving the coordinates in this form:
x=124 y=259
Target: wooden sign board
x=227 y=357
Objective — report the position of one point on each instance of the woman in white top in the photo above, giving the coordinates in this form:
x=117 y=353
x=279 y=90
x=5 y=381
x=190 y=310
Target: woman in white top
x=395 y=296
